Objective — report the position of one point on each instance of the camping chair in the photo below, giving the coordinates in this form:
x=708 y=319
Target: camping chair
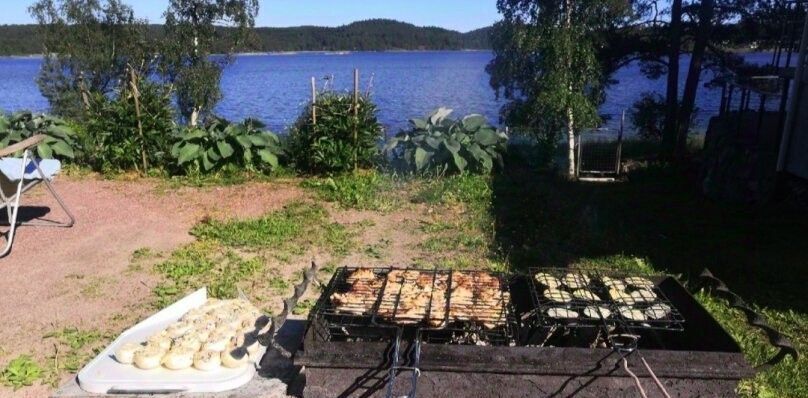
x=17 y=176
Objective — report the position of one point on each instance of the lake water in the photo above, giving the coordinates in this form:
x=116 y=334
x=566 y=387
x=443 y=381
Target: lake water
x=275 y=87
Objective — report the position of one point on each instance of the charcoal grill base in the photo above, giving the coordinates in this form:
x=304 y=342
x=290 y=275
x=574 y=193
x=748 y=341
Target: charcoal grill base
x=336 y=382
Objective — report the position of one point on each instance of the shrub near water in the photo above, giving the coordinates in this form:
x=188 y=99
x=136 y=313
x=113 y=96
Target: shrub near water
x=111 y=137
x=221 y=144
x=440 y=144
x=329 y=145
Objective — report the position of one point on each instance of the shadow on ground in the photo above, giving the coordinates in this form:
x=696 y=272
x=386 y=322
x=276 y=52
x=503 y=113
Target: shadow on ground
x=658 y=215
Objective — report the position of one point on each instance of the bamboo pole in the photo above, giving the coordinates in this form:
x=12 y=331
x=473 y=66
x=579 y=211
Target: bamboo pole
x=136 y=95
x=313 y=101
x=356 y=118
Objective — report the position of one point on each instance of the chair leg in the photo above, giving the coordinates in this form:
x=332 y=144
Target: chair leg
x=72 y=219
x=15 y=211
x=49 y=187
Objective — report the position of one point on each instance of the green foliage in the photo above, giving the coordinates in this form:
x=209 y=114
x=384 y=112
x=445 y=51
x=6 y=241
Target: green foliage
x=329 y=145
x=440 y=144
x=20 y=372
x=76 y=346
x=364 y=191
x=191 y=29
x=111 y=135
x=60 y=138
x=90 y=46
x=223 y=144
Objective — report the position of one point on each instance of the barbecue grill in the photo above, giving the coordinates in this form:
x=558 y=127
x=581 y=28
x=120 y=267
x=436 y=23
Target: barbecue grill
x=379 y=344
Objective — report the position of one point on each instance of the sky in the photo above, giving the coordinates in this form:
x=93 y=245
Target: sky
x=461 y=15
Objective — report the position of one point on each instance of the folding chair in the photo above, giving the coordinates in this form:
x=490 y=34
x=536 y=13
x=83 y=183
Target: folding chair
x=17 y=176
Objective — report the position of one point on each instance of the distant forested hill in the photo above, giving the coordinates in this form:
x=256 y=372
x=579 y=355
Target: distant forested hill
x=370 y=35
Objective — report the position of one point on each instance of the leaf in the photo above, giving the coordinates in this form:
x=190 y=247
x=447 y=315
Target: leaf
x=434 y=143
x=44 y=151
x=61 y=148
x=473 y=122
x=175 y=149
x=269 y=157
x=452 y=145
x=244 y=142
x=258 y=140
x=206 y=162
x=486 y=137
x=213 y=155
x=60 y=131
x=188 y=153
x=225 y=149
x=191 y=134
x=421 y=158
x=419 y=124
x=460 y=163
x=438 y=115
x=390 y=144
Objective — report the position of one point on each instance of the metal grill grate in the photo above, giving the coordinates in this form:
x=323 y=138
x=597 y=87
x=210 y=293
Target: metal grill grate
x=577 y=298
x=461 y=307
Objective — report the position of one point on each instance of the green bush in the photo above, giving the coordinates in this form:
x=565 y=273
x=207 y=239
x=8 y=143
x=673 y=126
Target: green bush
x=221 y=144
x=60 y=138
x=329 y=146
x=440 y=144
x=111 y=137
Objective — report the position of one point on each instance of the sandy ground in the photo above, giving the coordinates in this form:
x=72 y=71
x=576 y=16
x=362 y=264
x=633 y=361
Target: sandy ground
x=57 y=277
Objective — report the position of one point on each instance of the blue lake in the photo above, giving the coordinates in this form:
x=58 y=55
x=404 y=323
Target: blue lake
x=275 y=87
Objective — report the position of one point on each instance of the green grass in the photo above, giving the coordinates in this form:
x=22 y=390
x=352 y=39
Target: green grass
x=787 y=379
x=73 y=347
x=272 y=229
x=364 y=190
x=204 y=263
x=20 y=372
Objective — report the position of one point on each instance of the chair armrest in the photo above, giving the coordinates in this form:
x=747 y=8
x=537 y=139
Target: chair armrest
x=24 y=144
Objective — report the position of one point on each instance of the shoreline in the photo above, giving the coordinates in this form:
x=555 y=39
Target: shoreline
x=302 y=52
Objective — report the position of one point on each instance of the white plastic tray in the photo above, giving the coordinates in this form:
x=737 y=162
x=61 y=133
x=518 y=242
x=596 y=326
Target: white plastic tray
x=104 y=375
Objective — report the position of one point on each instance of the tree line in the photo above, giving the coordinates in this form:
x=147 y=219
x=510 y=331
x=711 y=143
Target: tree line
x=370 y=35
x=554 y=59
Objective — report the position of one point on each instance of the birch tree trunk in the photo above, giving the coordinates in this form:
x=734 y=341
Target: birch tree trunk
x=570 y=114
x=571 y=142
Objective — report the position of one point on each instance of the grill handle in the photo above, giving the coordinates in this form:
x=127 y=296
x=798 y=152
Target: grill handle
x=777 y=339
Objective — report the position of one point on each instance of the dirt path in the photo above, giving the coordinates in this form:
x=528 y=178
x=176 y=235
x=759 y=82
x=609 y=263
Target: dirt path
x=56 y=277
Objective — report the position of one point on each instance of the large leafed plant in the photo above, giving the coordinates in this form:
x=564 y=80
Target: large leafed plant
x=60 y=139
x=221 y=144
x=441 y=144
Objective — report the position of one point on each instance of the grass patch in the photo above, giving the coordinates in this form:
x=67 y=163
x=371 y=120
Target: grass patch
x=270 y=230
x=377 y=250
x=786 y=379
x=204 y=263
x=364 y=190
x=73 y=347
x=460 y=233
x=284 y=233
x=303 y=307
x=20 y=372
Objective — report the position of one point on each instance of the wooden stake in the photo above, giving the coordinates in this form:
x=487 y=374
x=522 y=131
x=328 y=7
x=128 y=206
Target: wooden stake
x=356 y=118
x=313 y=101
x=136 y=95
